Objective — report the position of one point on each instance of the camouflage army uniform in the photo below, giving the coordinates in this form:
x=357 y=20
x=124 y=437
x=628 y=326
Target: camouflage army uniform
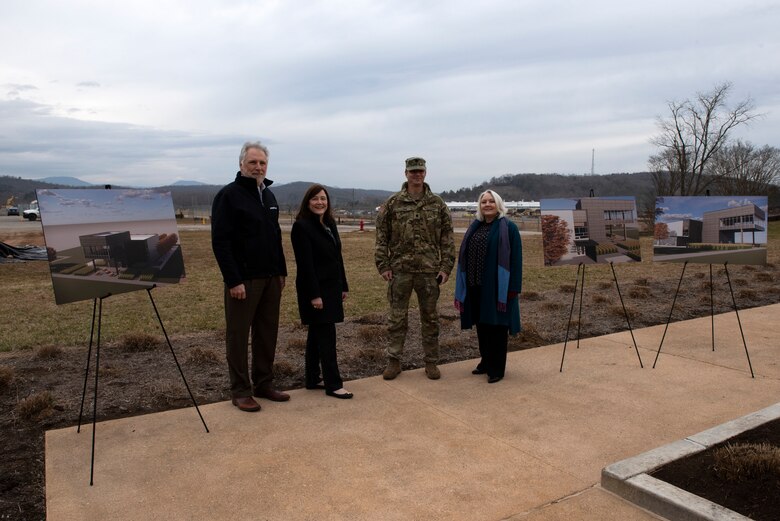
x=414 y=239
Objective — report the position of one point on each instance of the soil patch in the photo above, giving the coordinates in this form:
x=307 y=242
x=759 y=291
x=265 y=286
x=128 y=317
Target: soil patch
x=755 y=496
x=41 y=389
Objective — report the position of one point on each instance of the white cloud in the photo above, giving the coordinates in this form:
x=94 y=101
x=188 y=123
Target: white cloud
x=344 y=91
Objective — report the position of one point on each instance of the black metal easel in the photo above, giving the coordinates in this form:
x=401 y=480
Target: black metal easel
x=712 y=314
x=579 y=321
x=97 y=314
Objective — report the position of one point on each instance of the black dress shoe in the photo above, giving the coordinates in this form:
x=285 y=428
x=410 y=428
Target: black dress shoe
x=494 y=379
x=478 y=371
x=344 y=396
x=272 y=394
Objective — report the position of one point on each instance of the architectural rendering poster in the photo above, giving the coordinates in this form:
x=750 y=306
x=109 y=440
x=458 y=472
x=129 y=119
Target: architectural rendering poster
x=590 y=230
x=103 y=242
x=710 y=230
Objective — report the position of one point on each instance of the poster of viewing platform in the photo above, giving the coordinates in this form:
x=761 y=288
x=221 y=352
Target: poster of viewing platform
x=106 y=242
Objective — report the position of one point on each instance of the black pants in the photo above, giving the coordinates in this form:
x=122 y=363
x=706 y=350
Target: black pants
x=492 y=338
x=258 y=312
x=321 y=349
x=492 y=348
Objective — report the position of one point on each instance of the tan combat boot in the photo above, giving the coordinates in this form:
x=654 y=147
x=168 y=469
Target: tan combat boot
x=431 y=371
x=393 y=369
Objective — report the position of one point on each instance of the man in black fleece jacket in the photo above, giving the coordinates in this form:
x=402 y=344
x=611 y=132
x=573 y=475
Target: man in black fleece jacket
x=247 y=243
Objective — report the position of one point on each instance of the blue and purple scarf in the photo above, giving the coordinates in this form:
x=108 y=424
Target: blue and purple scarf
x=503 y=266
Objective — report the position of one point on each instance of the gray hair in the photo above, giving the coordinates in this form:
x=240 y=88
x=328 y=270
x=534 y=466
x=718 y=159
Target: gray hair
x=252 y=144
x=499 y=204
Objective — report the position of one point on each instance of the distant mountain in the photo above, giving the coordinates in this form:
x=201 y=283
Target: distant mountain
x=189 y=183
x=287 y=195
x=66 y=181
x=515 y=187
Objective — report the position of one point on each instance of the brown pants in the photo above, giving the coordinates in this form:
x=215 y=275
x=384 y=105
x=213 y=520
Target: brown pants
x=259 y=311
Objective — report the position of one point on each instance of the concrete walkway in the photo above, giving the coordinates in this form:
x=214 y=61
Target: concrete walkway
x=530 y=447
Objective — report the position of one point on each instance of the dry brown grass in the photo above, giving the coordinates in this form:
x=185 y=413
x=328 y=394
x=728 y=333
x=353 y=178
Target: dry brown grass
x=531 y=295
x=452 y=342
x=368 y=356
x=138 y=342
x=639 y=292
x=110 y=371
x=196 y=304
x=747 y=294
x=376 y=318
x=371 y=333
x=204 y=356
x=552 y=306
x=6 y=377
x=600 y=298
x=35 y=406
x=284 y=368
x=743 y=461
x=165 y=392
x=764 y=277
x=48 y=352
x=566 y=288
x=618 y=312
x=296 y=343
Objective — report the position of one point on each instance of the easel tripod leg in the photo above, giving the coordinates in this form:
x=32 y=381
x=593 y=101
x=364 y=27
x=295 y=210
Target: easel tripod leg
x=89 y=359
x=170 y=346
x=674 y=300
x=94 y=403
x=571 y=312
x=625 y=312
x=741 y=332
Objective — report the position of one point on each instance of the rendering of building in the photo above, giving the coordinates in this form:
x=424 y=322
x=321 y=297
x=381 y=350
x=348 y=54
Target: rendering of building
x=598 y=230
x=733 y=225
x=106 y=246
x=122 y=249
x=711 y=229
x=606 y=219
x=683 y=232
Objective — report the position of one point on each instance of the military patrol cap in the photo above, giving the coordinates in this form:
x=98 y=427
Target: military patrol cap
x=415 y=163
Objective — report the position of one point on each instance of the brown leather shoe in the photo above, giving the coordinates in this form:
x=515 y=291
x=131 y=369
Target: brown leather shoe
x=246 y=403
x=272 y=394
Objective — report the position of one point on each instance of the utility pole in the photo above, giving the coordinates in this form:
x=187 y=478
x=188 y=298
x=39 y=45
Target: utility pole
x=593 y=161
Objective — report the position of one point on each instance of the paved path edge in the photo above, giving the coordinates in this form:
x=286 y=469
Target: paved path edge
x=631 y=480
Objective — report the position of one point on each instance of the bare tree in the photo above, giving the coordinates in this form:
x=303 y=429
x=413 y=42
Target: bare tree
x=691 y=136
x=742 y=169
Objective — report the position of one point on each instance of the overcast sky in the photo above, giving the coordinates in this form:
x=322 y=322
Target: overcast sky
x=146 y=93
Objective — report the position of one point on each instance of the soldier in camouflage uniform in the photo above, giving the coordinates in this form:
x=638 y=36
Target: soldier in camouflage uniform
x=415 y=250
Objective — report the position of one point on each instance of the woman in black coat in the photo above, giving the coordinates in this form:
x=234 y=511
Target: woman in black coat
x=321 y=286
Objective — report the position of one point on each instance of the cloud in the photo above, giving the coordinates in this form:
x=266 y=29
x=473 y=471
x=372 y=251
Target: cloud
x=39 y=143
x=677 y=216
x=738 y=202
x=343 y=91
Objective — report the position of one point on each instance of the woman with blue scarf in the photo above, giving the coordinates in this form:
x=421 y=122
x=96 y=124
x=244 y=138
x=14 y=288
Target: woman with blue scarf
x=488 y=280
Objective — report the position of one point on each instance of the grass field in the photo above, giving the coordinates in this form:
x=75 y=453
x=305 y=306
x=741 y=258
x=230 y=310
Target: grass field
x=29 y=317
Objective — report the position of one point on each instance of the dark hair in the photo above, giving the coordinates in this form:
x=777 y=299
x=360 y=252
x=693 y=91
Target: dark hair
x=305 y=213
